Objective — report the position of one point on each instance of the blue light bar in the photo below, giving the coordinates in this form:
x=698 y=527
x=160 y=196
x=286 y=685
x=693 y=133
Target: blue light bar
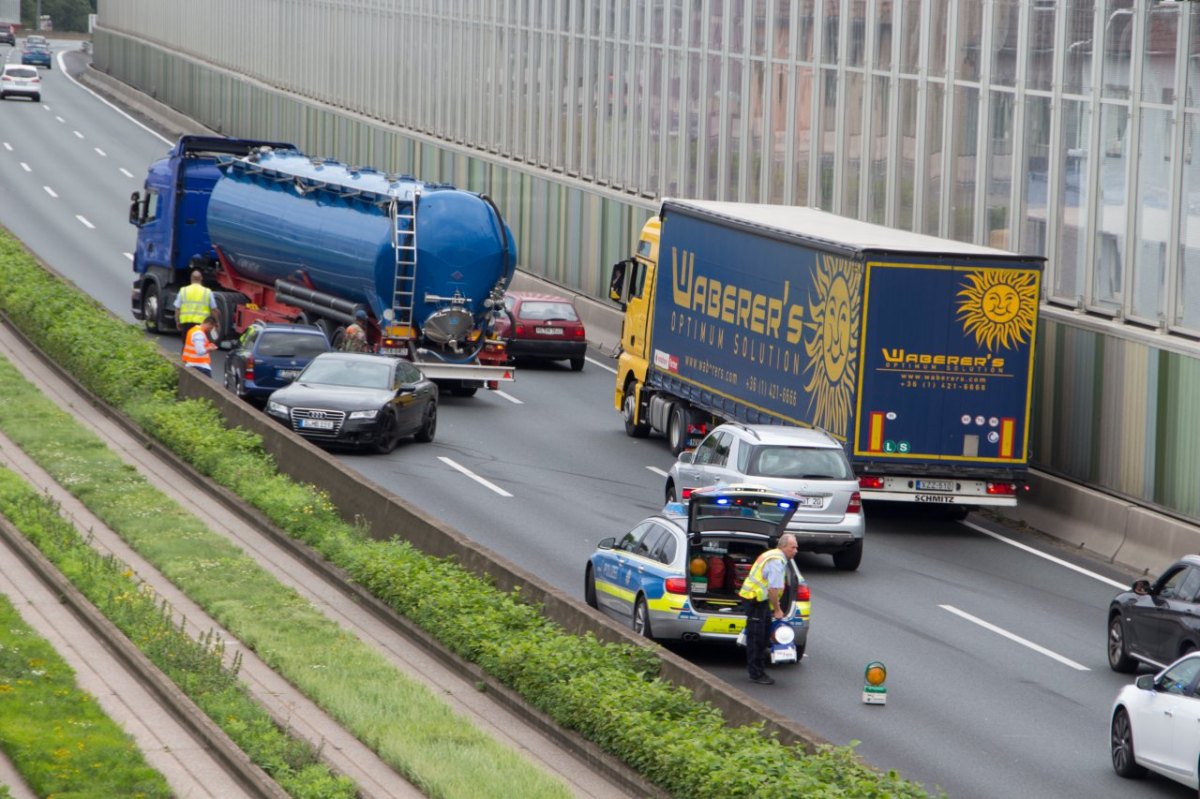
x=722 y=500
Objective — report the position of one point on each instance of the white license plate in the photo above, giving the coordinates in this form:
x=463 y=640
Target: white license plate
x=935 y=485
x=390 y=351
x=287 y=374
x=811 y=502
x=316 y=424
x=549 y=331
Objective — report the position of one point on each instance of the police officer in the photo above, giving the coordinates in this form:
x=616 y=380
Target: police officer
x=762 y=596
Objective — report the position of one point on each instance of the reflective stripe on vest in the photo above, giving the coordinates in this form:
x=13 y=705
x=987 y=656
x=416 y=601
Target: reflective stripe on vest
x=755 y=585
x=190 y=356
x=194 y=304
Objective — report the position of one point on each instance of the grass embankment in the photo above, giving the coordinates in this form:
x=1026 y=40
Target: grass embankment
x=612 y=694
x=56 y=735
x=401 y=719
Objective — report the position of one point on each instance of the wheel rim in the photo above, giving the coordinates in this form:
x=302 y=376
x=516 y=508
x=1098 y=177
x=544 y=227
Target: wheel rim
x=629 y=408
x=1122 y=742
x=639 y=618
x=431 y=420
x=1116 y=642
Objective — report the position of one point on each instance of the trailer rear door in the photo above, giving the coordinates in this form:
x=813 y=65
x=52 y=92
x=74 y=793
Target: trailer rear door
x=946 y=373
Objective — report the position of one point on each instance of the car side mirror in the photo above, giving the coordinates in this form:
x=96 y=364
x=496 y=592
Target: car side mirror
x=687 y=456
x=1145 y=682
x=607 y=543
x=1141 y=587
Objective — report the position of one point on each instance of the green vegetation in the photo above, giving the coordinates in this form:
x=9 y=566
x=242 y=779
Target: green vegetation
x=411 y=728
x=55 y=734
x=612 y=694
x=196 y=666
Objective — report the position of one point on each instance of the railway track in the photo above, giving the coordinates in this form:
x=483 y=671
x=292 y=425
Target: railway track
x=585 y=772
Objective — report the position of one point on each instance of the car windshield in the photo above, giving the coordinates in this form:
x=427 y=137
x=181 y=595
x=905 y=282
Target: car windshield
x=359 y=374
x=798 y=462
x=21 y=72
x=540 y=311
x=290 y=345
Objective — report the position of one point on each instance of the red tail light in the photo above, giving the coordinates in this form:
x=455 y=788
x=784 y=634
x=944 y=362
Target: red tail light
x=855 y=503
x=677 y=585
x=802 y=593
x=577 y=332
x=687 y=493
x=870 y=481
x=249 y=367
x=1002 y=489
x=520 y=331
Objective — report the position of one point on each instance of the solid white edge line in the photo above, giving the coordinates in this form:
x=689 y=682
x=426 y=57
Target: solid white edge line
x=144 y=127
x=1051 y=558
x=657 y=471
x=473 y=476
x=1013 y=637
x=507 y=396
x=603 y=366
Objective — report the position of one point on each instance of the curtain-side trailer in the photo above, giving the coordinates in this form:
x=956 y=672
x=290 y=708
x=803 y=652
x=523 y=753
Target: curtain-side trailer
x=915 y=352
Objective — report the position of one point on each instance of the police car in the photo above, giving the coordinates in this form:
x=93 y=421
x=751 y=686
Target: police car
x=675 y=576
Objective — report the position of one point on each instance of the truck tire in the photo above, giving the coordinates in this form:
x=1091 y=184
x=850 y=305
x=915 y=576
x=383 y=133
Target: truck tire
x=629 y=411
x=152 y=308
x=677 y=437
x=328 y=328
x=847 y=559
x=227 y=303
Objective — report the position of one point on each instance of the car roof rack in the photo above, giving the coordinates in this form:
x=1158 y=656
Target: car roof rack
x=747 y=428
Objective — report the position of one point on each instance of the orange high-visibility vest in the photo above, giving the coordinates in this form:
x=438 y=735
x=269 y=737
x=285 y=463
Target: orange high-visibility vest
x=190 y=356
x=755 y=585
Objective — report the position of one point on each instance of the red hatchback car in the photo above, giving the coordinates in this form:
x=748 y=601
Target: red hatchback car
x=542 y=327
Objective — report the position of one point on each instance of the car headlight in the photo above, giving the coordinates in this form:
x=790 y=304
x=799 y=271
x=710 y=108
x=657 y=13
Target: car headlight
x=364 y=414
x=277 y=408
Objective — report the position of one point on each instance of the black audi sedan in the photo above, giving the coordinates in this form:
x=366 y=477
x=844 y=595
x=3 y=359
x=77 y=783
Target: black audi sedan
x=1154 y=623
x=358 y=400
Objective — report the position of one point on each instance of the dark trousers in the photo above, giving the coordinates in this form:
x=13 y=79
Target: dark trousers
x=758 y=627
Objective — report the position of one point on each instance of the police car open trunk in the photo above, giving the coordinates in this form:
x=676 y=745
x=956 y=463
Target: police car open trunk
x=726 y=534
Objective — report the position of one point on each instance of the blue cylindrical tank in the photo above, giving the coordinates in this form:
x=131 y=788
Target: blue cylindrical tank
x=282 y=215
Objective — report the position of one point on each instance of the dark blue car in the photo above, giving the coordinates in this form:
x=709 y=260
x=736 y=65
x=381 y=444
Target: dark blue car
x=270 y=356
x=37 y=56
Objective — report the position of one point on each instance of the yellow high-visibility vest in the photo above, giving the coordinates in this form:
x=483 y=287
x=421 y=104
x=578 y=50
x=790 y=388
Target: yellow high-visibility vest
x=194 y=304
x=755 y=585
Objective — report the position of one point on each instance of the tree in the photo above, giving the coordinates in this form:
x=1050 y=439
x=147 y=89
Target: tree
x=66 y=15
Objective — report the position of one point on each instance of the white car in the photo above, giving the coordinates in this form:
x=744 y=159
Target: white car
x=1156 y=724
x=19 y=80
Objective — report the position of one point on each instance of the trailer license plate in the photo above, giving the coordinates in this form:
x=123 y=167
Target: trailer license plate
x=317 y=424
x=935 y=485
x=549 y=331
x=287 y=374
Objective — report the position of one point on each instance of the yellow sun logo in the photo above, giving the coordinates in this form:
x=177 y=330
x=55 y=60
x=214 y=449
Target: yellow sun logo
x=999 y=306
x=832 y=350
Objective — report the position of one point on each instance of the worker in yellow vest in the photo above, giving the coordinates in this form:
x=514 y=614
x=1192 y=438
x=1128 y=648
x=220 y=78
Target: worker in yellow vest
x=194 y=302
x=197 y=346
x=762 y=600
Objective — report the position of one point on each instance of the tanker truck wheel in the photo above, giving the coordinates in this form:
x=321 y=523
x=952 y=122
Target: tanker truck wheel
x=330 y=330
x=629 y=411
x=152 y=308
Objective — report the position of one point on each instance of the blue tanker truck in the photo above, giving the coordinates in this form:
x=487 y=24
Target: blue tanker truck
x=284 y=237
x=915 y=352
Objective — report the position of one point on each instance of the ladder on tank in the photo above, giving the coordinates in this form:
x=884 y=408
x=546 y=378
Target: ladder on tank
x=404 y=244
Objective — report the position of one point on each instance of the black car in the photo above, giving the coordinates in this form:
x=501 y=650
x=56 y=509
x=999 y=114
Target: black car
x=7 y=34
x=1155 y=623
x=358 y=400
x=270 y=356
